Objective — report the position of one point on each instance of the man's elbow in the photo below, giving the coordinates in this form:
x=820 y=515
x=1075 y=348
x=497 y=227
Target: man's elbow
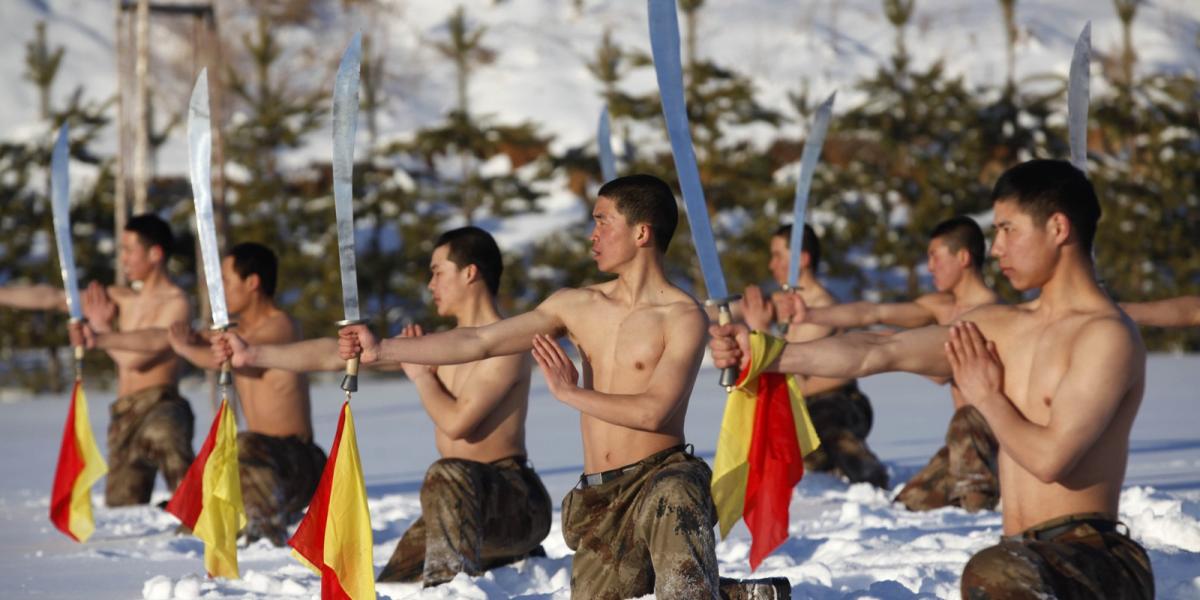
x=1052 y=469
x=654 y=419
x=459 y=429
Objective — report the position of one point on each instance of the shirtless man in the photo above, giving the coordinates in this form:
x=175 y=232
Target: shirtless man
x=1059 y=378
x=841 y=414
x=963 y=472
x=278 y=464
x=1181 y=311
x=482 y=504
x=150 y=424
x=641 y=518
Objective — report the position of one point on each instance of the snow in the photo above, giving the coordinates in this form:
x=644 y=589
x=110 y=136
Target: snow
x=845 y=540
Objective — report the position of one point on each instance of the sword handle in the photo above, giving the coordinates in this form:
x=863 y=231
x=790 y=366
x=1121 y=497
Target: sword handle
x=350 y=381
x=728 y=374
x=226 y=375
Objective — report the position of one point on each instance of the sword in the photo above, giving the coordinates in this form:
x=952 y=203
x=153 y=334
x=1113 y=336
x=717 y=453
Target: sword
x=664 y=44
x=199 y=130
x=60 y=206
x=608 y=162
x=808 y=164
x=1077 y=98
x=345 y=124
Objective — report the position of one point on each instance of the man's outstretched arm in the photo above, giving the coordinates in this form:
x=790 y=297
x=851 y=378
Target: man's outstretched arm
x=460 y=345
x=850 y=355
x=1183 y=311
x=864 y=314
x=33 y=297
x=318 y=354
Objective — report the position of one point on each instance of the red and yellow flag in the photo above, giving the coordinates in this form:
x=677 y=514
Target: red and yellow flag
x=765 y=434
x=334 y=539
x=209 y=499
x=80 y=465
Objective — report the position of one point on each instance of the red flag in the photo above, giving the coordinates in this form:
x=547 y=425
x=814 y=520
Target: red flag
x=334 y=539
x=80 y=465
x=765 y=434
x=209 y=499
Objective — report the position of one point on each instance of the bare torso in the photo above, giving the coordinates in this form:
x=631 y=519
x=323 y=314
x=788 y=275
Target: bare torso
x=501 y=434
x=146 y=310
x=1036 y=351
x=621 y=346
x=274 y=401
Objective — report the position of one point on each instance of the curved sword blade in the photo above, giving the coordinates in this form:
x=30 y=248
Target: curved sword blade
x=1077 y=98
x=345 y=125
x=199 y=129
x=664 y=44
x=608 y=162
x=808 y=164
x=60 y=207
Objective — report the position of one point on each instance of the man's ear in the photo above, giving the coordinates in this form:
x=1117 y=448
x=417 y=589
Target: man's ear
x=471 y=272
x=963 y=256
x=805 y=260
x=253 y=281
x=1060 y=227
x=644 y=235
x=156 y=253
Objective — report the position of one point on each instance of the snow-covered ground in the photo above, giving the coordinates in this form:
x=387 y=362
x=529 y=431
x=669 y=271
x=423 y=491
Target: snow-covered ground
x=846 y=541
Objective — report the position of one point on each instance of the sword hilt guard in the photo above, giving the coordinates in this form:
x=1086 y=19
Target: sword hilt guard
x=226 y=368
x=725 y=317
x=350 y=380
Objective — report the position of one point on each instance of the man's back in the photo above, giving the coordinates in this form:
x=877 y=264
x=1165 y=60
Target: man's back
x=1082 y=372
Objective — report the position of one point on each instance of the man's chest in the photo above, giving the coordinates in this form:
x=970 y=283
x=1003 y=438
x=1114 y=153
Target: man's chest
x=620 y=341
x=1036 y=359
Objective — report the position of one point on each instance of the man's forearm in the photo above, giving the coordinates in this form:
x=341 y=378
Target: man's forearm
x=635 y=411
x=145 y=341
x=858 y=354
x=1174 y=312
x=440 y=405
x=854 y=314
x=1032 y=446
x=34 y=297
x=457 y=346
x=318 y=354
x=199 y=355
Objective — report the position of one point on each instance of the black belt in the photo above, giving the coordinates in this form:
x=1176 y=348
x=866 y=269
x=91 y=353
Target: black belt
x=588 y=480
x=1050 y=533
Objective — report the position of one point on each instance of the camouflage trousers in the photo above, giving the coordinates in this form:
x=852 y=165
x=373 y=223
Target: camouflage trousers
x=646 y=527
x=963 y=472
x=279 y=476
x=474 y=517
x=1077 y=556
x=148 y=431
x=842 y=419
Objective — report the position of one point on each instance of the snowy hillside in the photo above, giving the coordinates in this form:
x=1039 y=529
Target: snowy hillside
x=541 y=47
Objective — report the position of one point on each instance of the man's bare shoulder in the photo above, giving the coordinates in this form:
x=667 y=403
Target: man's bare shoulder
x=822 y=298
x=1111 y=329
x=278 y=328
x=936 y=301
